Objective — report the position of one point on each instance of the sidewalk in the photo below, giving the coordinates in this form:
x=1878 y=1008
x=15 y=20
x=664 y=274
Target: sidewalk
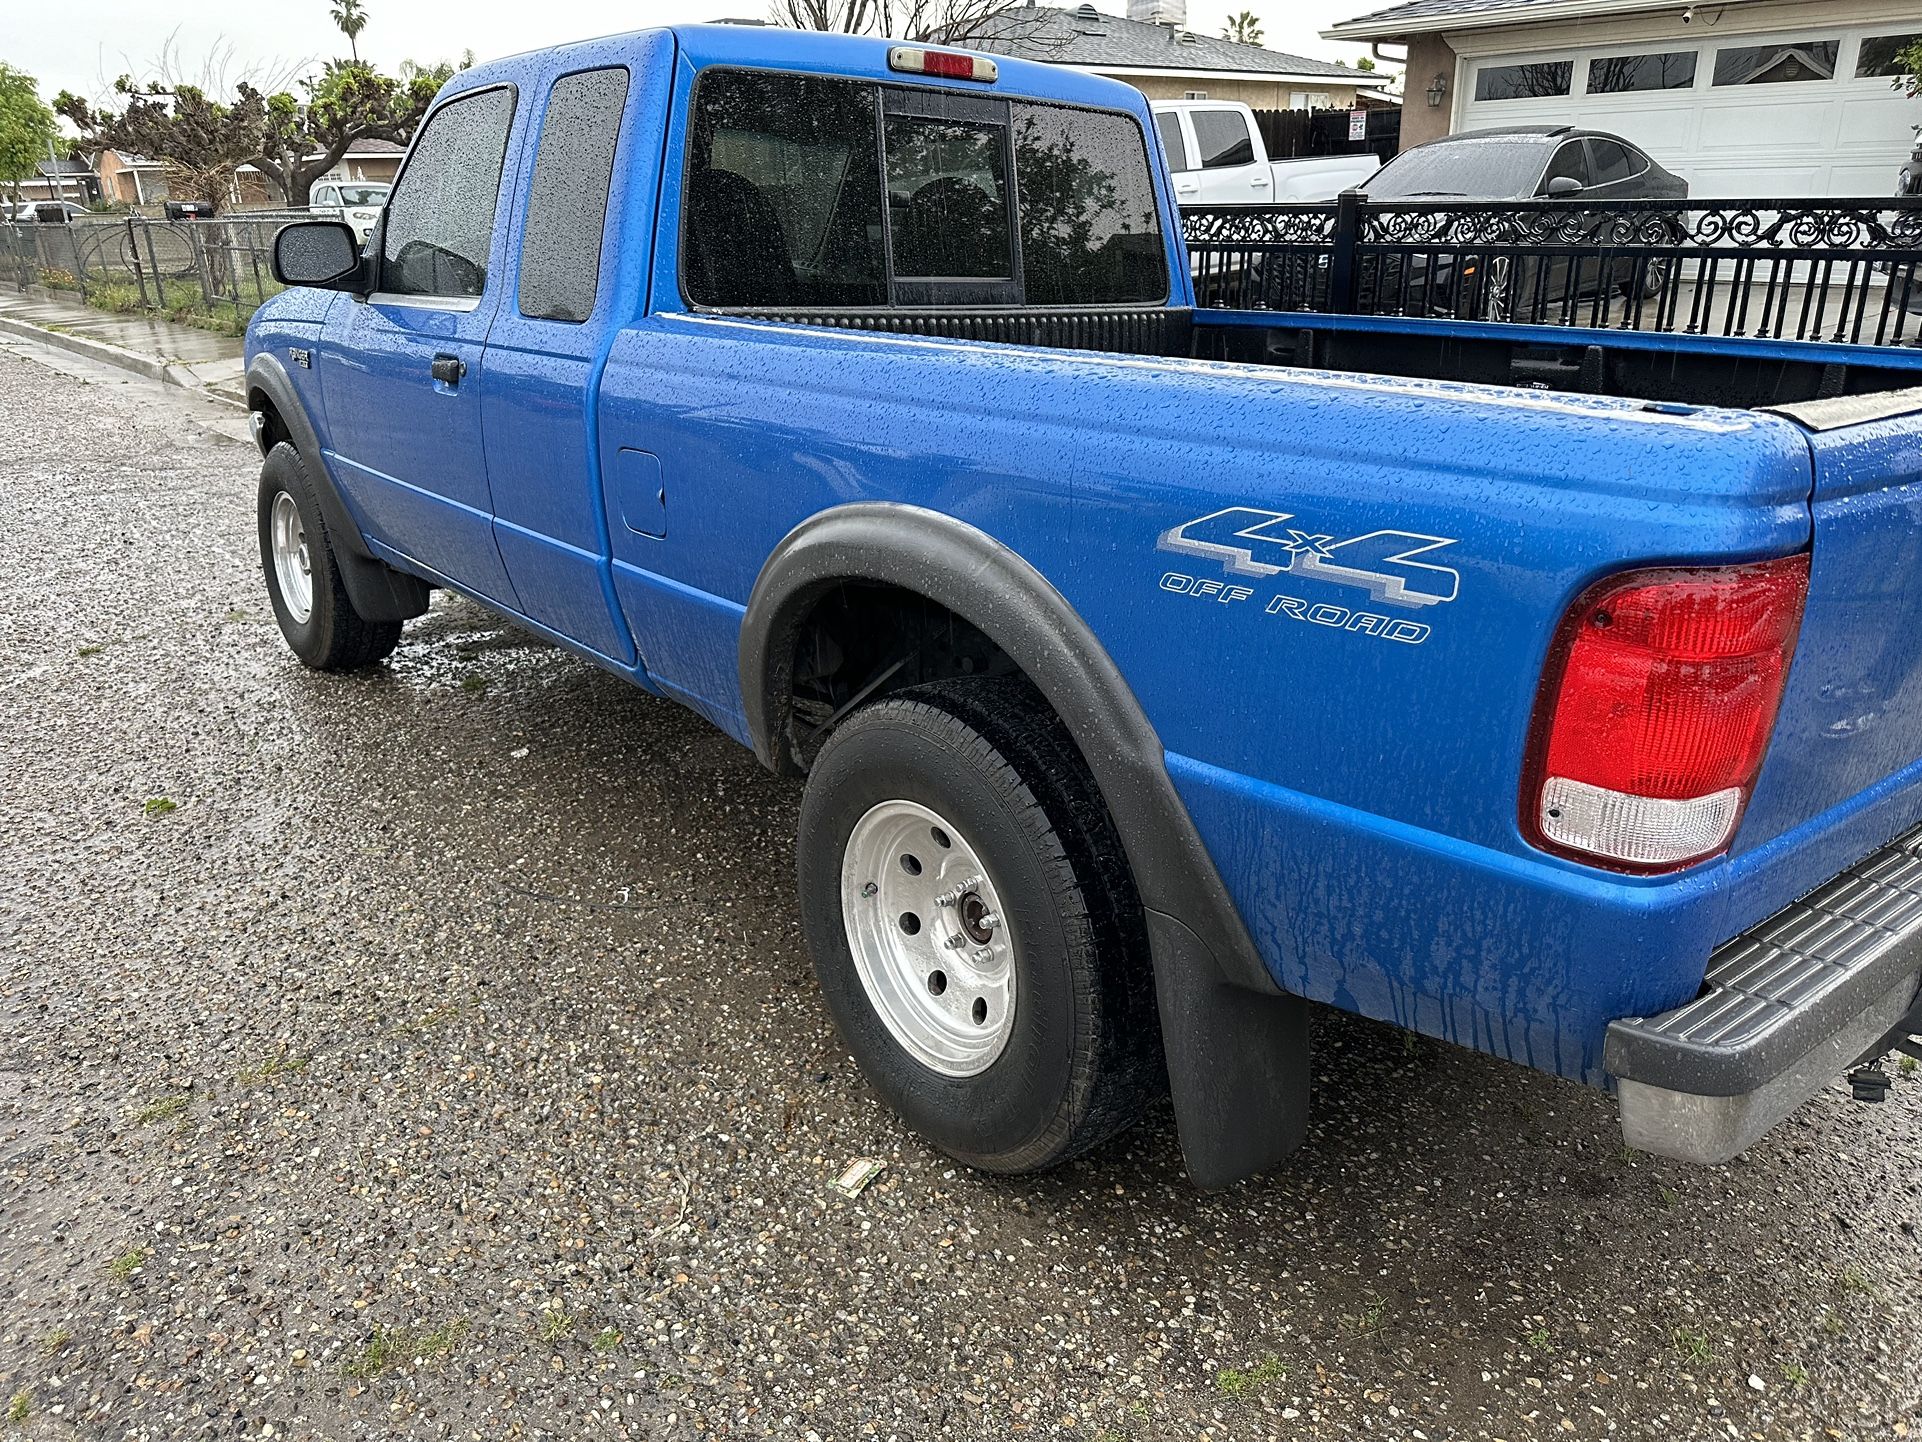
x=178 y=354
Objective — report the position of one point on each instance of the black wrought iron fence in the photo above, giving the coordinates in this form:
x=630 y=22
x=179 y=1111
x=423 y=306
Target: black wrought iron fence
x=1841 y=270
x=217 y=268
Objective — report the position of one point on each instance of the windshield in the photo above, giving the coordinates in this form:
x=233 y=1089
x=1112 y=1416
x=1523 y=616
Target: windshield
x=364 y=194
x=1485 y=169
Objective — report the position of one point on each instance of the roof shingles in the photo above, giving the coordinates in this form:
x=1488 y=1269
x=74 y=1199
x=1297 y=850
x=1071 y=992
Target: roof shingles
x=1077 y=37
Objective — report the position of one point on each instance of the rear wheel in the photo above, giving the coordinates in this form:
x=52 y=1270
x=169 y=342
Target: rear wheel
x=974 y=925
x=310 y=601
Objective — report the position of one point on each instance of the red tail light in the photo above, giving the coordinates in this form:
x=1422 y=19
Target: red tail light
x=1656 y=708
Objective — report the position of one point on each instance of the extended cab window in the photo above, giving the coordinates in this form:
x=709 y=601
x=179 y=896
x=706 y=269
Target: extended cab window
x=805 y=192
x=783 y=198
x=1223 y=138
x=567 y=201
x=440 y=222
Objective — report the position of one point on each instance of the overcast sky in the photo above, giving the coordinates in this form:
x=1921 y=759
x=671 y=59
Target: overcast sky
x=83 y=44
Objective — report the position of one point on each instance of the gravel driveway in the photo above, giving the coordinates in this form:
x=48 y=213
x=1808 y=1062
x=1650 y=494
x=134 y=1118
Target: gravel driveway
x=433 y=1053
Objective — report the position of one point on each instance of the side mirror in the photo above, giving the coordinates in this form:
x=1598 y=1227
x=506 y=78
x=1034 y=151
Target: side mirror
x=320 y=253
x=1561 y=185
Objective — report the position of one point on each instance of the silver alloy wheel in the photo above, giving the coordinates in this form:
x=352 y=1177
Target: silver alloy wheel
x=929 y=938
x=292 y=568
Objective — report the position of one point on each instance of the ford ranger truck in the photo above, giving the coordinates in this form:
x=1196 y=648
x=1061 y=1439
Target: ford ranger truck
x=1154 y=672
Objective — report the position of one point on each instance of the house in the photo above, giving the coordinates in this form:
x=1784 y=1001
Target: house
x=369 y=160
x=130 y=179
x=69 y=179
x=1748 y=99
x=1166 y=62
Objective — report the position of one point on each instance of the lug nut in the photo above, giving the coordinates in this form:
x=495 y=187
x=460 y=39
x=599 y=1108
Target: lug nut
x=982 y=955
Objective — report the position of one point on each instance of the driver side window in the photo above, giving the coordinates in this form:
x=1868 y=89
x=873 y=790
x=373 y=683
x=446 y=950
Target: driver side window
x=440 y=219
x=326 y=196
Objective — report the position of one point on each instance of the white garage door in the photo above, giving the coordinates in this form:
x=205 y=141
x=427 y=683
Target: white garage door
x=1804 y=113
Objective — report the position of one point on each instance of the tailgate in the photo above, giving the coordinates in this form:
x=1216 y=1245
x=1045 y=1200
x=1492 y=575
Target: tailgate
x=1851 y=719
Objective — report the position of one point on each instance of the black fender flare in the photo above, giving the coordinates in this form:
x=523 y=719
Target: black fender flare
x=1237 y=1046
x=378 y=591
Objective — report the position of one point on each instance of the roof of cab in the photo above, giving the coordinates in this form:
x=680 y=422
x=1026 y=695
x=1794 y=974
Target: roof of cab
x=773 y=47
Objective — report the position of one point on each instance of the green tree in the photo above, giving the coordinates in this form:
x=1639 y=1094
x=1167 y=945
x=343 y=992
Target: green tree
x=1243 y=29
x=351 y=17
x=1367 y=62
x=347 y=101
x=1909 y=60
x=26 y=126
x=201 y=141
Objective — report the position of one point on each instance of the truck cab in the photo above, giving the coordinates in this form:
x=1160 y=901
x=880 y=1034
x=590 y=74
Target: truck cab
x=1216 y=151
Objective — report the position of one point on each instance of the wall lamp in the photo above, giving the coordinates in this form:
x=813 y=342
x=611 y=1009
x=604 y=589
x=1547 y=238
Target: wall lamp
x=1437 y=89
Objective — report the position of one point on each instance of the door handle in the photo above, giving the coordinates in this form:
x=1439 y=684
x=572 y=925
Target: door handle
x=448 y=369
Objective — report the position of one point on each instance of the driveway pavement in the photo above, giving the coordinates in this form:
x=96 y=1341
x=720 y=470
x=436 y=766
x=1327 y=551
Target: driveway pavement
x=433 y=1054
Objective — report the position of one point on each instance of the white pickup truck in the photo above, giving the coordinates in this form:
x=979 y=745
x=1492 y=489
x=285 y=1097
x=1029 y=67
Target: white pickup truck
x=1216 y=153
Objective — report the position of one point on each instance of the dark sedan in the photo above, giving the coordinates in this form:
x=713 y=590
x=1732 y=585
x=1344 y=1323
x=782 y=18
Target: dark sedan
x=1549 y=162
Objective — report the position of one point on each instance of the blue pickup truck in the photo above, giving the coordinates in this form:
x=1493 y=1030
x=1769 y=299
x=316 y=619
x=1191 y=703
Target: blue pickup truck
x=1155 y=672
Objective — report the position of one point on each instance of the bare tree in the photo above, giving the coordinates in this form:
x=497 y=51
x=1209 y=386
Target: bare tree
x=941 y=22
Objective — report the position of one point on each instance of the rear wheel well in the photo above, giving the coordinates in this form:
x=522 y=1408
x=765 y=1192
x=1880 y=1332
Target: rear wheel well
x=861 y=640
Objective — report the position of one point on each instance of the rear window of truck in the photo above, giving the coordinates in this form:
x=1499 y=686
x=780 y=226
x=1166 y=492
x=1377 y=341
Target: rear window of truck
x=805 y=192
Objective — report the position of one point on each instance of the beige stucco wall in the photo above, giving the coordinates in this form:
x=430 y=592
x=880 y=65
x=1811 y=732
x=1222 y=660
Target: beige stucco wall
x=1260 y=95
x=1428 y=56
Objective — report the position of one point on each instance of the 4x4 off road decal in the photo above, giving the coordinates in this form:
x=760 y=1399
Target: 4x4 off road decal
x=1258 y=544
x=1382 y=563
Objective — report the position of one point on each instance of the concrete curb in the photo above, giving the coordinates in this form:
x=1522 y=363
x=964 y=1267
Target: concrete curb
x=150 y=366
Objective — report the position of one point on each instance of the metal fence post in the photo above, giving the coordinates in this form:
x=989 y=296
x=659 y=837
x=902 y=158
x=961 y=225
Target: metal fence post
x=1341 y=261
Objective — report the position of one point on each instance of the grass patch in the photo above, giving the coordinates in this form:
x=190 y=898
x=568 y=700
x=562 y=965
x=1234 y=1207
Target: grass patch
x=556 y=1323
x=1668 y=1195
x=56 y=1339
x=115 y=297
x=273 y=1069
x=1795 y=1374
x=473 y=681
x=606 y=1340
x=127 y=1263
x=20 y=1407
x=1910 y=1065
x=1539 y=1340
x=1371 y=1318
x=392 y=1347
x=159 y=805
x=1855 y=1282
x=88 y=650
x=1693 y=1345
x=161 y=1109
x=1240 y=1381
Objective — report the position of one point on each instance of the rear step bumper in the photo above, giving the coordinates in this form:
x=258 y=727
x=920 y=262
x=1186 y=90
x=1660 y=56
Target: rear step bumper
x=1786 y=1008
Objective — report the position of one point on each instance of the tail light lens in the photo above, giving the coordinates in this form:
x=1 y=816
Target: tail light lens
x=1656 y=708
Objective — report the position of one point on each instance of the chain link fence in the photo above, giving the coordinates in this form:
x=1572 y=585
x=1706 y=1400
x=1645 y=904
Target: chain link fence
x=212 y=273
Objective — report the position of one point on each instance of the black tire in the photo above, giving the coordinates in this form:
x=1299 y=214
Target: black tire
x=1082 y=1057
x=334 y=636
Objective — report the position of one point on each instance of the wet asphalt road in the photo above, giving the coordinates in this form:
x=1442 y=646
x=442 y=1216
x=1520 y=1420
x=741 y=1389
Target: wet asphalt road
x=444 y=1061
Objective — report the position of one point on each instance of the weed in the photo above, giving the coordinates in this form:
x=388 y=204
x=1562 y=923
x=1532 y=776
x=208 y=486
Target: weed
x=1539 y=1340
x=1795 y=1374
x=1669 y=1196
x=127 y=1263
x=556 y=1323
x=20 y=1407
x=159 y=805
x=445 y=1012
x=115 y=296
x=1629 y=1154
x=1910 y=1065
x=55 y=1340
x=606 y=1340
x=1692 y=1343
x=473 y=681
x=1833 y=1324
x=1239 y=1382
x=236 y=614
x=54 y=278
x=401 y=1347
x=1855 y=1282
x=89 y=650
x=161 y=1109
x=274 y=1068
x=1371 y=1318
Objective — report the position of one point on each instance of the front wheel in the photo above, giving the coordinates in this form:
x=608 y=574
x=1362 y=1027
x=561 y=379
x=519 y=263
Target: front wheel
x=310 y=600
x=974 y=925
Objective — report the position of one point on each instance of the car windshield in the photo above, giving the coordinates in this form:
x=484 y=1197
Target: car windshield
x=363 y=194
x=1489 y=169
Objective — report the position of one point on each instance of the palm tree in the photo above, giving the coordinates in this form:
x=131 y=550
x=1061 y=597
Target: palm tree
x=1243 y=29
x=351 y=19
